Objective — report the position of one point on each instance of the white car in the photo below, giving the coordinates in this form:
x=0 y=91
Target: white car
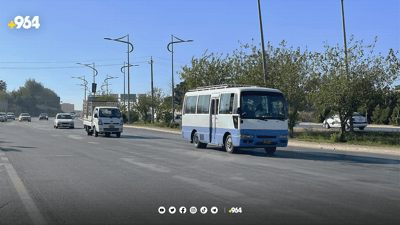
x=63 y=120
x=359 y=121
x=4 y=115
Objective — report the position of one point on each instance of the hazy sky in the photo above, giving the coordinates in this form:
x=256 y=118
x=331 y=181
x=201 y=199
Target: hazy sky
x=73 y=31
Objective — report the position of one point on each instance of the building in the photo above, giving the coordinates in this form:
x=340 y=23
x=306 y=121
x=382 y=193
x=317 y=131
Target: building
x=67 y=107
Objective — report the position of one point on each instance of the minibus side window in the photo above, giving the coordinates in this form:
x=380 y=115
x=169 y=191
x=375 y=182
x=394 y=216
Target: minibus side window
x=191 y=105
x=203 y=105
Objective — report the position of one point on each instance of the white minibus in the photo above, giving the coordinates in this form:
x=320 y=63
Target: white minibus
x=235 y=116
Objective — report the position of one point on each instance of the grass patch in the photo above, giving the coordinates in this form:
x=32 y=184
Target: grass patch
x=379 y=139
x=172 y=126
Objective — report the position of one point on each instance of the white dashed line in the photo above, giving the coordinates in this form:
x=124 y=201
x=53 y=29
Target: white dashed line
x=34 y=213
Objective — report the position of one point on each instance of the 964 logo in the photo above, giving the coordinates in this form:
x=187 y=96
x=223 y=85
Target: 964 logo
x=235 y=210
x=24 y=22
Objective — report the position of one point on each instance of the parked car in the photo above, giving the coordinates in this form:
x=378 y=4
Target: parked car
x=4 y=115
x=2 y=118
x=10 y=116
x=24 y=116
x=43 y=116
x=63 y=120
x=359 y=121
x=178 y=118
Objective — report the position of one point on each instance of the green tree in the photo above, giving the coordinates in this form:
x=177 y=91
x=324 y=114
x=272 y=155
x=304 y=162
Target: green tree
x=3 y=85
x=345 y=91
x=143 y=106
x=179 y=94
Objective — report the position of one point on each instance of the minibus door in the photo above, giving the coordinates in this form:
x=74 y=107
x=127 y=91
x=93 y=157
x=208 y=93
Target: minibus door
x=214 y=120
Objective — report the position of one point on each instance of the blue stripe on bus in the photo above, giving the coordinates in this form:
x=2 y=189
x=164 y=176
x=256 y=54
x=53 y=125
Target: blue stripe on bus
x=259 y=136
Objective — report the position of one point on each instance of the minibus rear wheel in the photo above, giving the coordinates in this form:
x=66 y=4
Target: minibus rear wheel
x=197 y=142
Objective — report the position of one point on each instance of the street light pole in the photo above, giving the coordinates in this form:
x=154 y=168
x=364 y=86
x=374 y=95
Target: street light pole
x=262 y=43
x=129 y=51
x=172 y=52
x=95 y=73
x=85 y=84
x=106 y=81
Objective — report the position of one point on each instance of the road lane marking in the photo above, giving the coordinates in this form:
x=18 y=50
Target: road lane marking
x=4 y=158
x=153 y=167
x=78 y=137
x=2 y=153
x=93 y=142
x=34 y=213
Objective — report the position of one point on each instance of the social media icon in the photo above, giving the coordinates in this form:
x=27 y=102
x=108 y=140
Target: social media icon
x=214 y=210
x=203 y=210
x=182 y=210
x=172 y=210
x=193 y=210
x=161 y=210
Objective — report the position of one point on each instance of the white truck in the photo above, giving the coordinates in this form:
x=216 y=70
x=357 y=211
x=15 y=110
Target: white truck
x=102 y=117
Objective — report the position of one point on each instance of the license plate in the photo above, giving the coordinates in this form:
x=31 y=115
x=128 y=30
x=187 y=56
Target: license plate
x=267 y=141
x=111 y=126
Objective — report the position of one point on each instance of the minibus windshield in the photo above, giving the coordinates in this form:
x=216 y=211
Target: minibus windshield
x=263 y=105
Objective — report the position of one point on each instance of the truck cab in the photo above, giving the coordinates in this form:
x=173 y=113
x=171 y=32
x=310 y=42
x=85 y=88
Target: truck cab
x=104 y=120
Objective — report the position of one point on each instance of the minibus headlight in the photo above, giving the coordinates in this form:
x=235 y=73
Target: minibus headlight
x=246 y=136
x=100 y=122
x=283 y=136
x=121 y=122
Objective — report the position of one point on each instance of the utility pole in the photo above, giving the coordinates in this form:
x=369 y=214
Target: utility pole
x=152 y=102
x=262 y=43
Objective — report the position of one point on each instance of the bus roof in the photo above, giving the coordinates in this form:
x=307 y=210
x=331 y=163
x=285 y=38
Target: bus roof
x=229 y=88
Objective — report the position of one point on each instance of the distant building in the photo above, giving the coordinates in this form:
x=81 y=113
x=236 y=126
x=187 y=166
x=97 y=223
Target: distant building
x=67 y=107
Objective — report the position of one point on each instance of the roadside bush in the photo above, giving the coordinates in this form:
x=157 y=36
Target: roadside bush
x=335 y=137
x=166 y=117
x=162 y=124
x=395 y=119
x=174 y=125
x=134 y=116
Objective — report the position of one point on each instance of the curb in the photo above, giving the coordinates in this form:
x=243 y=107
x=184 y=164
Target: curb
x=156 y=129
x=352 y=148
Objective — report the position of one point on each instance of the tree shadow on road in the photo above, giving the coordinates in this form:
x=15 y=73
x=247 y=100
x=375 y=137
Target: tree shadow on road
x=9 y=150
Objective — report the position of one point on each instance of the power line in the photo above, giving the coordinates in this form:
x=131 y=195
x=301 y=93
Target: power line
x=169 y=59
x=80 y=60
x=66 y=67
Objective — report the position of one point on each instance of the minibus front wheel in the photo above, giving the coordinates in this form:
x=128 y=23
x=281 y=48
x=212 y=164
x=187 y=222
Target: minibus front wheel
x=229 y=148
x=270 y=150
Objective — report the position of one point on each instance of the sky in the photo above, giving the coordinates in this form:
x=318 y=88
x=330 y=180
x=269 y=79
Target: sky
x=73 y=31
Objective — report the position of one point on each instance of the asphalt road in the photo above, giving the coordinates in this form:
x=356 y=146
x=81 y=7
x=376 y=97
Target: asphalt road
x=63 y=176
x=369 y=128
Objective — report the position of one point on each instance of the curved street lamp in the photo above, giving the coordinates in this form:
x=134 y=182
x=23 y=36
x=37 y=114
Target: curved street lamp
x=172 y=51
x=95 y=73
x=129 y=51
x=85 y=84
x=123 y=71
x=106 y=81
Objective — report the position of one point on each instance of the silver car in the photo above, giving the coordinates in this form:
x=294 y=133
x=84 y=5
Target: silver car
x=4 y=115
x=10 y=116
x=63 y=120
x=359 y=121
